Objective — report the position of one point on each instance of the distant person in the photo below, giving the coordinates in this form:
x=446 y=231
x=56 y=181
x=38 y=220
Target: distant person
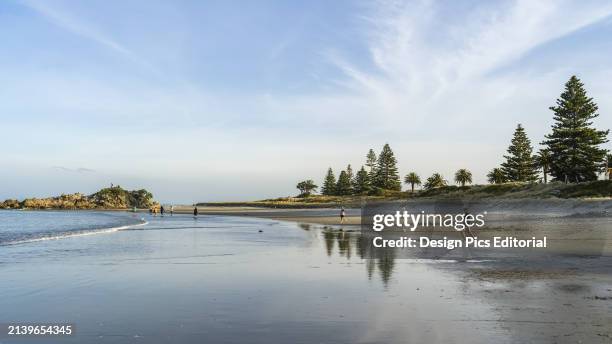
x=161 y=210
x=467 y=230
x=342 y=215
x=171 y=210
x=195 y=211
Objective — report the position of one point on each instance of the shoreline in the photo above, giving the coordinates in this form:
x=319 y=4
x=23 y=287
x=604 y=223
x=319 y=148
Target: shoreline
x=320 y=216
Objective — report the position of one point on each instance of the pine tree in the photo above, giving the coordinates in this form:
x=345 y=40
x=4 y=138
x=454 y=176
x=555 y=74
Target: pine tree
x=574 y=143
x=386 y=170
x=343 y=187
x=361 y=183
x=351 y=176
x=520 y=165
x=371 y=160
x=329 y=184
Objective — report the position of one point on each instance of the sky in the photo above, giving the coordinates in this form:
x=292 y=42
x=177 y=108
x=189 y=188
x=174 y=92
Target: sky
x=239 y=100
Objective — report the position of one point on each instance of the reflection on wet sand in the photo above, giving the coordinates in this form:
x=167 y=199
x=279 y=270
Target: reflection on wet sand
x=562 y=295
x=222 y=279
x=350 y=242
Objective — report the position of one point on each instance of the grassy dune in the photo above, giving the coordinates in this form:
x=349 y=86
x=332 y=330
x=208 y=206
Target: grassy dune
x=597 y=189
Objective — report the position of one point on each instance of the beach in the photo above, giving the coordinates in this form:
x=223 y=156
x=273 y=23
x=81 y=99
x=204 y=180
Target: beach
x=326 y=216
x=224 y=277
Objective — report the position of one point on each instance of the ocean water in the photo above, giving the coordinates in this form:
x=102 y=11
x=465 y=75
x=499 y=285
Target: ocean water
x=28 y=226
x=220 y=279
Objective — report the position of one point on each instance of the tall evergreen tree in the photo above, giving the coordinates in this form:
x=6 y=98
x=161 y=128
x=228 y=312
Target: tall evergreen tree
x=520 y=165
x=574 y=144
x=361 y=183
x=329 y=184
x=371 y=160
x=343 y=187
x=351 y=176
x=386 y=170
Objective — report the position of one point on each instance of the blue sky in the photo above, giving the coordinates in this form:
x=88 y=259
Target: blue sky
x=226 y=100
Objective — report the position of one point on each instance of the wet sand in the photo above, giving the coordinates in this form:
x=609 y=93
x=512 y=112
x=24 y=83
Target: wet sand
x=227 y=278
x=314 y=216
x=566 y=235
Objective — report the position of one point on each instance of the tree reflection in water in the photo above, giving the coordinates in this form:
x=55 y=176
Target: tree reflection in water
x=351 y=242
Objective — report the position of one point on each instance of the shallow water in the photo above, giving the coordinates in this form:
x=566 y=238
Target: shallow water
x=219 y=279
x=27 y=226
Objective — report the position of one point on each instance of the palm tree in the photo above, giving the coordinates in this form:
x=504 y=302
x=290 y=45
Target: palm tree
x=543 y=161
x=435 y=181
x=463 y=176
x=496 y=176
x=413 y=179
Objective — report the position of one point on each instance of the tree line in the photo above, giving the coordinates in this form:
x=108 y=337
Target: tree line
x=571 y=153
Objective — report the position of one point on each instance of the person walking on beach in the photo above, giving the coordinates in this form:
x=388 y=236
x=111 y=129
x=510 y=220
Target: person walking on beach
x=161 y=210
x=171 y=210
x=467 y=231
x=195 y=211
x=342 y=215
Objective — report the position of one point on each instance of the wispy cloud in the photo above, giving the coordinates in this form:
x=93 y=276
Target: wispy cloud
x=84 y=29
x=77 y=170
x=426 y=62
x=443 y=82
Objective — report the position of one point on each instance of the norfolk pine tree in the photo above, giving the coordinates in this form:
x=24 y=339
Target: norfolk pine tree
x=387 y=176
x=371 y=161
x=520 y=165
x=343 y=187
x=361 y=184
x=329 y=184
x=575 y=155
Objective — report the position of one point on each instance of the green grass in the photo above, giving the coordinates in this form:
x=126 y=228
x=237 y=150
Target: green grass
x=597 y=189
x=600 y=188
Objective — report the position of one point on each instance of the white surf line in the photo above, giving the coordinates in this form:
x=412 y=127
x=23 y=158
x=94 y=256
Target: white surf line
x=76 y=234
